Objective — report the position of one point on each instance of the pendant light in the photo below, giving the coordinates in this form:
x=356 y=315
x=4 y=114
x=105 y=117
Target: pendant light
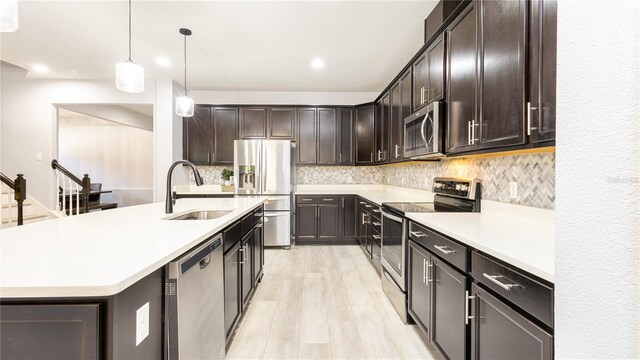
x=8 y=15
x=184 y=104
x=129 y=75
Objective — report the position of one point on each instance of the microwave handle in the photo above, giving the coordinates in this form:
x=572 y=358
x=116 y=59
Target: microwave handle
x=424 y=122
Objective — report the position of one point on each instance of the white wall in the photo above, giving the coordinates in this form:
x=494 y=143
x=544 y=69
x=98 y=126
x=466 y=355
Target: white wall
x=282 y=98
x=597 y=193
x=28 y=122
x=118 y=156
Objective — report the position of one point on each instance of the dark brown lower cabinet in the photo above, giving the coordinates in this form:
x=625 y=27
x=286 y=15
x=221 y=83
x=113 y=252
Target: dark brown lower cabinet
x=69 y=331
x=328 y=221
x=449 y=332
x=348 y=217
x=306 y=222
x=318 y=219
x=499 y=332
x=231 y=288
x=419 y=299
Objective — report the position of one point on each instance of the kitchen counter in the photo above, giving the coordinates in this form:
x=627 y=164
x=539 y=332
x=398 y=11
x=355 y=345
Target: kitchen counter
x=103 y=253
x=526 y=245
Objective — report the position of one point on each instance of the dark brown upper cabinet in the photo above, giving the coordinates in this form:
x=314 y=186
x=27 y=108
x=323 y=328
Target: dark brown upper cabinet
x=383 y=112
x=209 y=135
x=253 y=123
x=396 y=126
x=461 y=80
x=317 y=136
x=281 y=123
x=420 y=76
x=225 y=132
x=346 y=156
x=541 y=109
x=197 y=136
x=502 y=73
x=436 y=70
x=364 y=134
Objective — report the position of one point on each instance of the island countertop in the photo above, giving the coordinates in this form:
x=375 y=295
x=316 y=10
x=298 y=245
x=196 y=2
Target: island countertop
x=103 y=253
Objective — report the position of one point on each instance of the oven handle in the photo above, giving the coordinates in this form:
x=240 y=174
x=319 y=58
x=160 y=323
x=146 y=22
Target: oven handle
x=392 y=217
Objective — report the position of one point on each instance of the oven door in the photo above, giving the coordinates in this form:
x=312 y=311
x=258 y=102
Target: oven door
x=393 y=247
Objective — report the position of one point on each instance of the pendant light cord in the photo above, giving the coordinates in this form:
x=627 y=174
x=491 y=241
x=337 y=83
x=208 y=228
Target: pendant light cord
x=129 y=30
x=185 y=66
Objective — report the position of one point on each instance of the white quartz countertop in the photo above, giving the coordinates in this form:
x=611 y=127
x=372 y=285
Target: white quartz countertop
x=103 y=253
x=528 y=246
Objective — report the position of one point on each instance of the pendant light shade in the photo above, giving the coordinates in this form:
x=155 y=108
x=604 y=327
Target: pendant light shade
x=8 y=15
x=185 y=104
x=129 y=75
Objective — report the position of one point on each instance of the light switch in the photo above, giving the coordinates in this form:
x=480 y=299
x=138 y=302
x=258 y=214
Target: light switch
x=513 y=190
x=142 y=323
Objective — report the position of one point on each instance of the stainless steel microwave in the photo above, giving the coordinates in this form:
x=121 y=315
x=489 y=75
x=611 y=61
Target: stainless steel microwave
x=423 y=132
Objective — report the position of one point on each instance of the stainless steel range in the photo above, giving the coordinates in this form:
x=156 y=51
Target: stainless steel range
x=452 y=195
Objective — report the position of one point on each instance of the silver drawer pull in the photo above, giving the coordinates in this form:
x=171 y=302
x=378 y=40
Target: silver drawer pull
x=376 y=223
x=494 y=279
x=306 y=199
x=328 y=199
x=369 y=206
x=376 y=237
x=418 y=234
x=362 y=202
x=376 y=210
x=445 y=249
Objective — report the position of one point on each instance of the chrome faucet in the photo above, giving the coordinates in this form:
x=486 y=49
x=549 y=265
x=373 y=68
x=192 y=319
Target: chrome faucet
x=171 y=195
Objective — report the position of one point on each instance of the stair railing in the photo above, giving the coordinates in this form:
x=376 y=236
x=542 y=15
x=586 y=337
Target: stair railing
x=18 y=188
x=73 y=188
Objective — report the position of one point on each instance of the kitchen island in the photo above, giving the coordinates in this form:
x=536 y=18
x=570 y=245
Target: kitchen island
x=84 y=279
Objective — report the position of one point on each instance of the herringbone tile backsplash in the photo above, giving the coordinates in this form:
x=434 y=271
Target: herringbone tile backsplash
x=534 y=173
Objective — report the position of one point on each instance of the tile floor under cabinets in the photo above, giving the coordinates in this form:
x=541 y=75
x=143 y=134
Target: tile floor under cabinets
x=323 y=302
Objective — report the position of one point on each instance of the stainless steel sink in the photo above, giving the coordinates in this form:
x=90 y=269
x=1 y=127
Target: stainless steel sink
x=201 y=215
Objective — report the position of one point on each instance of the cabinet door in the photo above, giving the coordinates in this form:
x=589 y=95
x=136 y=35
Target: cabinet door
x=502 y=73
x=405 y=106
x=435 y=70
x=382 y=129
x=542 y=71
x=246 y=261
x=231 y=288
x=461 y=80
x=282 y=123
x=258 y=251
x=449 y=295
x=419 y=292
x=327 y=141
x=50 y=331
x=306 y=144
x=306 y=222
x=420 y=82
x=364 y=134
x=396 y=126
x=348 y=218
x=225 y=131
x=345 y=141
x=328 y=220
x=499 y=332
x=197 y=136
x=253 y=123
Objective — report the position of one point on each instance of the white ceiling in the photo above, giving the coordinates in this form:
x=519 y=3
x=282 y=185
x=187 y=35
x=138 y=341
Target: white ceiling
x=236 y=45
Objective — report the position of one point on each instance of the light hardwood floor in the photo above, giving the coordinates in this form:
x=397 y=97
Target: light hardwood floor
x=323 y=302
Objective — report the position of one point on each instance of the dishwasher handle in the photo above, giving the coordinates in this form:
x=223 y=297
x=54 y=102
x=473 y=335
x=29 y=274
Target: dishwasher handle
x=201 y=256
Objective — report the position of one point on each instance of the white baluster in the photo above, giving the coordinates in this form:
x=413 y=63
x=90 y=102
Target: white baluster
x=64 y=198
x=1 y=201
x=78 y=199
x=10 y=195
x=70 y=197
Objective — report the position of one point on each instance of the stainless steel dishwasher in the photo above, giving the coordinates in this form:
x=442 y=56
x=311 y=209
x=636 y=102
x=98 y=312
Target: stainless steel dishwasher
x=194 y=304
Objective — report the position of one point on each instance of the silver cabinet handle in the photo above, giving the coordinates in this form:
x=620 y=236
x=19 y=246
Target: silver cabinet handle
x=494 y=279
x=362 y=202
x=306 y=199
x=376 y=223
x=376 y=210
x=377 y=237
x=362 y=218
x=429 y=275
x=473 y=131
x=468 y=132
x=242 y=251
x=529 y=109
x=445 y=249
x=368 y=206
x=328 y=199
x=424 y=271
x=371 y=156
x=467 y=298
x=418 y=234
x=397 y=148
x=208 y=158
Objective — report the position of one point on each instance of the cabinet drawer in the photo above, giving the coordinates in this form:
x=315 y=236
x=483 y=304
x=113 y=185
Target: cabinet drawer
x=376 y=213
x=231 y=235
x=318 y=199
x=247 y=222
x=257 y=215
x=514 y=285
x=447 y=249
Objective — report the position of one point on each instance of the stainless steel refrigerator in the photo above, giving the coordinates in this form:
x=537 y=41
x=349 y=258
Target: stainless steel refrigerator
x=267 y=168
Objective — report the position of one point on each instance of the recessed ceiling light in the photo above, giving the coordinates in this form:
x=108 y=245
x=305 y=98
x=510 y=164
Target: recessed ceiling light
x=163 y=61
x=317 y=64
x=40 y=68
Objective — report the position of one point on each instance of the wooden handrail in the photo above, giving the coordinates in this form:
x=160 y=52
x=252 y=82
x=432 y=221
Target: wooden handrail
x=19 y=187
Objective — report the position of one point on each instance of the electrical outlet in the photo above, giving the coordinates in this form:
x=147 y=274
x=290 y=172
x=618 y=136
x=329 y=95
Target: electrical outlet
x=38 y=156
x=513 y=190
x=142 y=323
